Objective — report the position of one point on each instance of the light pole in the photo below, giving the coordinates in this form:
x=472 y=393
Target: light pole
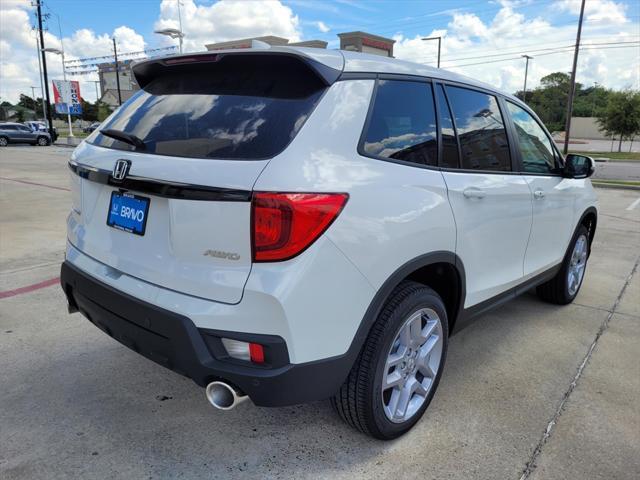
x=439 y=44
x=57 y=51
x=96 y=83
x=35 y=100
x=526 y=72
x=173 y=33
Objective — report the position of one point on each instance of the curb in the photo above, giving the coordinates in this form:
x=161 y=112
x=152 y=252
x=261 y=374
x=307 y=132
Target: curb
x=615 y=186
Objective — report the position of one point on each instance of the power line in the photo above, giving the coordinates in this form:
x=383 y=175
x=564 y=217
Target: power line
x=105 y=57
x=535 y=50
x=538 y=55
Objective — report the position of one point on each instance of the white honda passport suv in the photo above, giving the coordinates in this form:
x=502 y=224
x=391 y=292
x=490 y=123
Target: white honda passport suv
x=291 y=224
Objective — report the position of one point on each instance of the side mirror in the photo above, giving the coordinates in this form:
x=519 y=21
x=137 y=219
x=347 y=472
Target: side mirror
x=578 y=166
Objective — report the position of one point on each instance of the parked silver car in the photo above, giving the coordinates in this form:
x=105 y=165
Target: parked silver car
x=18 y=133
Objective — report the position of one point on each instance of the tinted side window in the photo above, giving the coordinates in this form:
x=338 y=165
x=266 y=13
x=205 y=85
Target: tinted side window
x=535 y=147
x=8 y=127
x=403 y=123
x=481 y=132
x=449 y=143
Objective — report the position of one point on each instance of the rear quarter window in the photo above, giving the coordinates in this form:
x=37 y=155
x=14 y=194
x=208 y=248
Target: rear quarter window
x=402 y=125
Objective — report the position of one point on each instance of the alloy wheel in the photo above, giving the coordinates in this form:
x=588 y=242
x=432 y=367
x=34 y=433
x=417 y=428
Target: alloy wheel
x=577 y=265
x=412 y=365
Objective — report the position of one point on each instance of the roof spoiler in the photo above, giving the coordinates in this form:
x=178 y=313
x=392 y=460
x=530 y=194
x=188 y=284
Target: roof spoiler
x=147 y=70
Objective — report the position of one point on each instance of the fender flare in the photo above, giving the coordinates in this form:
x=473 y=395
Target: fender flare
x=375 y=306
x=592 y=230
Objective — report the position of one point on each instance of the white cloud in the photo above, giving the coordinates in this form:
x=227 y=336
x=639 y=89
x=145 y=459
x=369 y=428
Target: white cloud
x=322 y=27
x=228 y=20
x=19 y=60
x=596 y=11
x=467 y=36
x=219 y=21
x=466 y=25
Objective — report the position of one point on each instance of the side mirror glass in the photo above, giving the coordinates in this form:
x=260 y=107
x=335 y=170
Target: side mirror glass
x=578 y=166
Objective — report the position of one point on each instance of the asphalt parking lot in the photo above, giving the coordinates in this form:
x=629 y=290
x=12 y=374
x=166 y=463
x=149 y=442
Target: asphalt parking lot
x=530 y=390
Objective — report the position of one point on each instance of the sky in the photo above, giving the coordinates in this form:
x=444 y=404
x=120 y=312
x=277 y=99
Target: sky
x=481 y=39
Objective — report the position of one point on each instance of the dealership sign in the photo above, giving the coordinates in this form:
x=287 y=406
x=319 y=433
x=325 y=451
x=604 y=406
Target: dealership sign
x=66 y=95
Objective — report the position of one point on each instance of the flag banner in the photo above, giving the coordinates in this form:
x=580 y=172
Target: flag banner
x=66 y=95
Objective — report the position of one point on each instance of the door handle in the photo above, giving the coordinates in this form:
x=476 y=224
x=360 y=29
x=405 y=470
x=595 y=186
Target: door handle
x=538 y=194
x=473 y=192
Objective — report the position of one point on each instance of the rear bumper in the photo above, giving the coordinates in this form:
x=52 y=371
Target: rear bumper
x=173 y=341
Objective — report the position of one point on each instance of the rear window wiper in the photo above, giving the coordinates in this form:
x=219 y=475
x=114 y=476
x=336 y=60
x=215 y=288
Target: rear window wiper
x=124 y=137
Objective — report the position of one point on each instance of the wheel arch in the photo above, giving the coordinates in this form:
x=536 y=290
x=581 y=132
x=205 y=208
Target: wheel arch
x=589 y=219
x=442 y=271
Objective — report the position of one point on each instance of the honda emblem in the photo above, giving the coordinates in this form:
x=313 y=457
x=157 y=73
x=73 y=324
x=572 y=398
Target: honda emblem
x=121 y=169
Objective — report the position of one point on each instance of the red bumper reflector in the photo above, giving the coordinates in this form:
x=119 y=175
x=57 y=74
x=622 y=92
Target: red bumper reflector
x=256 y=352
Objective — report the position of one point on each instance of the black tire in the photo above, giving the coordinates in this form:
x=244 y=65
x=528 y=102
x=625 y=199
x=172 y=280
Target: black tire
x=4 y=141
x=42 y=141
x=556 y=290
x=359 y=401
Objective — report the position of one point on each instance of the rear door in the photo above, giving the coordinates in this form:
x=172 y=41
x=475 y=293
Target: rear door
x=491 y=203
x=204 y=133
x=25 y=134
x=553 y=196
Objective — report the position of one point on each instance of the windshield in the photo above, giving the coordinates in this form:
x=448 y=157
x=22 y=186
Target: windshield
x=242 y=112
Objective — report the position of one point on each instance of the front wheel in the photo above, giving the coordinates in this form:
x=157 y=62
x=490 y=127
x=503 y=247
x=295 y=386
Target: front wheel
x=398 y=370
x=42 y=141
x=564 y=287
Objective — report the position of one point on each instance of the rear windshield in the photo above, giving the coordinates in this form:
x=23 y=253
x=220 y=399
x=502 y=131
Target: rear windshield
x=231 y=109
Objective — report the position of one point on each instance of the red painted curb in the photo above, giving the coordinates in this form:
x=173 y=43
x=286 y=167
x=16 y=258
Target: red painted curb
x=30 y=288
x=26 y=182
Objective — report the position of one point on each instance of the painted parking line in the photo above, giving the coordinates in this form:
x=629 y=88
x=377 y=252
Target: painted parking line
x=634 y=204
x=26 y=182
x=30 y=288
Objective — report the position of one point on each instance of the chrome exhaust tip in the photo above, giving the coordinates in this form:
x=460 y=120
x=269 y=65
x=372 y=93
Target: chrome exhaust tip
x=223 y=396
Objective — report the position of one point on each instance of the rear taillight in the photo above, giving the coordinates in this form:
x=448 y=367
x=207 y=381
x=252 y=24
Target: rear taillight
x=285 y=224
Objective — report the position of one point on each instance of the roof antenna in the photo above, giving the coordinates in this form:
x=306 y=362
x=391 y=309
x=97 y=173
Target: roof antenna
x=260 y=45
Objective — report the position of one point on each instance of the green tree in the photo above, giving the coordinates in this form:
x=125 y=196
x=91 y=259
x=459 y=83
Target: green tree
x=103 y=110
x=590 y=102
x=549 y=100
x=621 y=116
x=27 y=102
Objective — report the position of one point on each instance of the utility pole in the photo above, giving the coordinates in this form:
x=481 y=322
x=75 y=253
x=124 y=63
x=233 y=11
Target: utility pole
x=439 y=44
x=44 y=71
x=44 y=112
x=35 y=100
x=115 y=54
x=96 y=82
x=572 y=86
x=526 y=72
